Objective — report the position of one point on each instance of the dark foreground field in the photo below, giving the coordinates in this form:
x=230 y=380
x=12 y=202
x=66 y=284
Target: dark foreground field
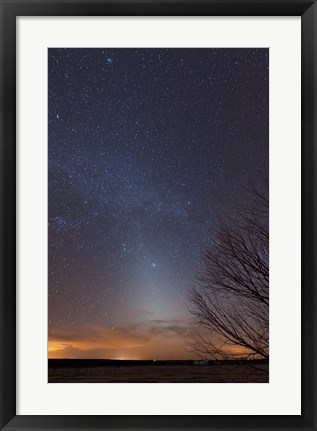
x=103 y=371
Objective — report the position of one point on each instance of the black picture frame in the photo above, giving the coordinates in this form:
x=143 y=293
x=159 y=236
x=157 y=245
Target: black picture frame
x=10 y=9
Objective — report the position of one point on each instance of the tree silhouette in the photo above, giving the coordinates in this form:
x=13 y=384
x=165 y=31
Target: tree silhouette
x=230 y=296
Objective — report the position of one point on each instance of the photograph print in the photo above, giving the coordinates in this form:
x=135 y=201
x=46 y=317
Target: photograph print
x=158 y=215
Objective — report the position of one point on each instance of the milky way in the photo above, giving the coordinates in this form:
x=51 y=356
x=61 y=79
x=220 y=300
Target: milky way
x=147 y=149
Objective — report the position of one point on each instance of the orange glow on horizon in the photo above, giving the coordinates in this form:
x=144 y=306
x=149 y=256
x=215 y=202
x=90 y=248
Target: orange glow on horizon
x=95 y=341
x=118 y=350
x=54 y=345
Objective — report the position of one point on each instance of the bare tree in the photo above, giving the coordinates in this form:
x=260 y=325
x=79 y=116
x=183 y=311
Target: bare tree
x=230 y=297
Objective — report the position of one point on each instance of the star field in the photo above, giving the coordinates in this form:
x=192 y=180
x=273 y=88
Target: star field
x=147 y=148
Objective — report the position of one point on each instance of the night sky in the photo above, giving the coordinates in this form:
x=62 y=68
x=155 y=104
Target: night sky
x=147 y=149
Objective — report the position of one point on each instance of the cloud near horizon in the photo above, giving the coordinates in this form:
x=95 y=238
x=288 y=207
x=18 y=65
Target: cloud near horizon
x=138 y=341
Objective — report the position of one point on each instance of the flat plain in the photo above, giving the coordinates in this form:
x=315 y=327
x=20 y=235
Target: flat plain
x=73 y=371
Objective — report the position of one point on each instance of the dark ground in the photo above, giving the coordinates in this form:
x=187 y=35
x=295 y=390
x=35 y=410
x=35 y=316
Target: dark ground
x=110 y=371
